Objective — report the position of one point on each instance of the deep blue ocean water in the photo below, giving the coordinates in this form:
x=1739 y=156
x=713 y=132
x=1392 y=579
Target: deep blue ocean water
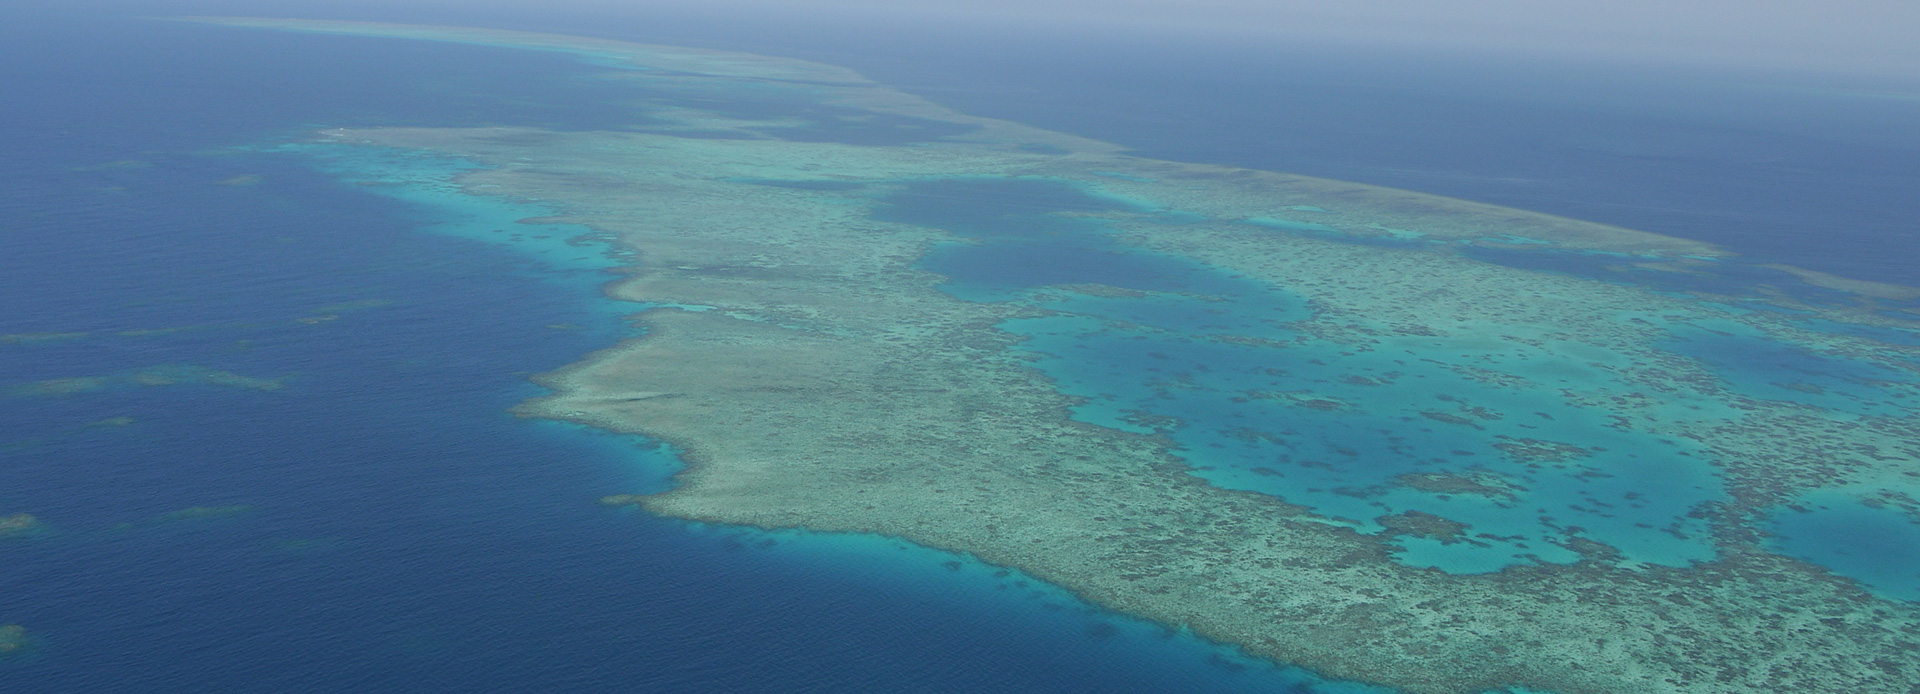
x=395 y=530
x=297 y=472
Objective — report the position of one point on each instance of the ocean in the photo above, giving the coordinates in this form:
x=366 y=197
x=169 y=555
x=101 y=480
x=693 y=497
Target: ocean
x=261 y=416
x=258 y=400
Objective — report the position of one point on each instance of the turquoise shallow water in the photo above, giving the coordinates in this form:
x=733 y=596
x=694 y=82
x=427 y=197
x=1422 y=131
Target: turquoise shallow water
x=1876 y=544
x=1313 y=422
x=1342 y=432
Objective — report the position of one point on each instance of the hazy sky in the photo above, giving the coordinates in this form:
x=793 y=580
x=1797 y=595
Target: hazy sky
x=1858 y=35
x=1876 y=35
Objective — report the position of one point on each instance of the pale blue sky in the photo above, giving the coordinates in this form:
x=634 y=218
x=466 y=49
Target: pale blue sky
x=1876 y=36
x=1869 y=35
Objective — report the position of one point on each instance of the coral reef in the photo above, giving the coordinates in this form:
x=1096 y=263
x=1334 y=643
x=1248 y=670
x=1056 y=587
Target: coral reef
x=1347 y=443
x=19 y=525
x=13 y=639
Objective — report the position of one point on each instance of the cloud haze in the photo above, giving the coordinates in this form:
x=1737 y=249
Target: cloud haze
x=1866 y=35
x=1875 y=36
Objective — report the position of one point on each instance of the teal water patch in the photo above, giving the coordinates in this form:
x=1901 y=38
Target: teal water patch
x=854 y=126
x=802 y=185
x=1516 y=240
x=1180 y=217
x=1411 y=439
x=1894 y=336
x=1686 y=275
x=1766 y=369
x=1875 y=544
x=785 y=110
x=1515 y=474
x=1040 y=148
x=1383 y=237
x=607 y=59
x=1187 y=314
x=1020 y=234
x=1290 y=225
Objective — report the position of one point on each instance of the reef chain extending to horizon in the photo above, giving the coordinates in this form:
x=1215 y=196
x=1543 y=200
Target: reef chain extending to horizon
x=1335 y=425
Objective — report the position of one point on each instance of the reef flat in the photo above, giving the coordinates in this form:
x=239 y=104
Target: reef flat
x=19 y=525
x=13 y=639
x=1428 y=443
x=155 y=376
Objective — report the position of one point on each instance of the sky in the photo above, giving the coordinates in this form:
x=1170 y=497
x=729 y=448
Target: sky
x=1857 y=36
